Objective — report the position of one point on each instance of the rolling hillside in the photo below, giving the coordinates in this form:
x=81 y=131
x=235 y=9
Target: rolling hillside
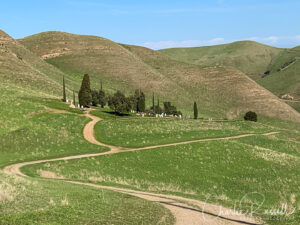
x=249 y=57
x=254 y=59
x=22 y=68
x=284 y=77
x=219 y=91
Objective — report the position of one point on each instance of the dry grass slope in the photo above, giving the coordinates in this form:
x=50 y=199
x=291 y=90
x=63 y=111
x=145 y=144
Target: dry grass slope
x=22 y=68
x=220 y=91
x=252 y=58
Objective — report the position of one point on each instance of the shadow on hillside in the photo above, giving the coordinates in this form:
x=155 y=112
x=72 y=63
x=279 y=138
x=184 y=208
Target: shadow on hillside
x=116 y=114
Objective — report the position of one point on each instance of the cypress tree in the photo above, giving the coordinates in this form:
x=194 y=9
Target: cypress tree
x=141 y=102
x=84 y=95
x=153 y=102
x=64 y=90
x=137 y=98
x=195 y=111
x=101 y=96
x=74 y=102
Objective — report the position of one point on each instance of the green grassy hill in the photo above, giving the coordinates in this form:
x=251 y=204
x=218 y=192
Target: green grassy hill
x=252 y=58
x=249 y=57
x=219 y=91
x=22 y=68
x=284 y=77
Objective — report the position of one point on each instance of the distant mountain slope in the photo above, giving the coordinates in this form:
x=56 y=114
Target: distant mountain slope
x=21 y=67
x=221 y=86
x=275 y=69
x=219 y=91
x=249 y=57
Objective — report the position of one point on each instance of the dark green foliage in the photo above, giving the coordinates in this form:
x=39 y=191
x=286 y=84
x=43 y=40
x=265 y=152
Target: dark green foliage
x=85 y=95
x=140 y=99
x=119 y=103
x=141 y=102
x=74 y=101
x=132 y=102
x=95 y=99
x=64 y=99
x=157 y=108
x=170 y=109
x=136 y=97
x=153 y=102
x=102 y=98
x=195 y=111
x=251 y=116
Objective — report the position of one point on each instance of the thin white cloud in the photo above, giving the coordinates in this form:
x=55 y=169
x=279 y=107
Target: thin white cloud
x=186 y=43
x=278 y=41
x=272 y=39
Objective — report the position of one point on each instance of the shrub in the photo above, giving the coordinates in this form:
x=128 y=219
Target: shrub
x=251 y=116
x=119 y=103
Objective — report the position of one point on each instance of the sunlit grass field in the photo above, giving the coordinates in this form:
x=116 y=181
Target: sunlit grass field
x=35 y=132
x=220 y=171
x=139 y=132
x=30 y=131
x=36 y=201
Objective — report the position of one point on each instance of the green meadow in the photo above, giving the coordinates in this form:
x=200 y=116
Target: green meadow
x=141 y=132
x=37 y=132
x=36 y=201
x=222 y=171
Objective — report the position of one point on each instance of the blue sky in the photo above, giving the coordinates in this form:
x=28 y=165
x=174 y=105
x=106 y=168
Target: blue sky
x=159 y=24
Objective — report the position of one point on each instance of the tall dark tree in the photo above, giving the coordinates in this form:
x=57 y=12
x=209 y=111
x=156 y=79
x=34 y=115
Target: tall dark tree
x=85 y=93
x=136 y=96
x=157 y=108
x=101 y=96
x=153 y=106
x=142 y=102
x=95 y=99
x=195 y=111
x=64 y=99
x=119 y=103
x=140 y=99
x=74 y=102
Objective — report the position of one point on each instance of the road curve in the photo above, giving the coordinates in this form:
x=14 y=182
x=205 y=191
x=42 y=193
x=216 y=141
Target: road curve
x=186 y=211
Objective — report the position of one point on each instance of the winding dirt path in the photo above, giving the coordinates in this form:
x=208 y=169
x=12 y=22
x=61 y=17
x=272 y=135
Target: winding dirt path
x=186 y=211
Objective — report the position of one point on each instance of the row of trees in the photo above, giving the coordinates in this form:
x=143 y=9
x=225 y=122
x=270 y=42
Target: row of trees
x=118 y=101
